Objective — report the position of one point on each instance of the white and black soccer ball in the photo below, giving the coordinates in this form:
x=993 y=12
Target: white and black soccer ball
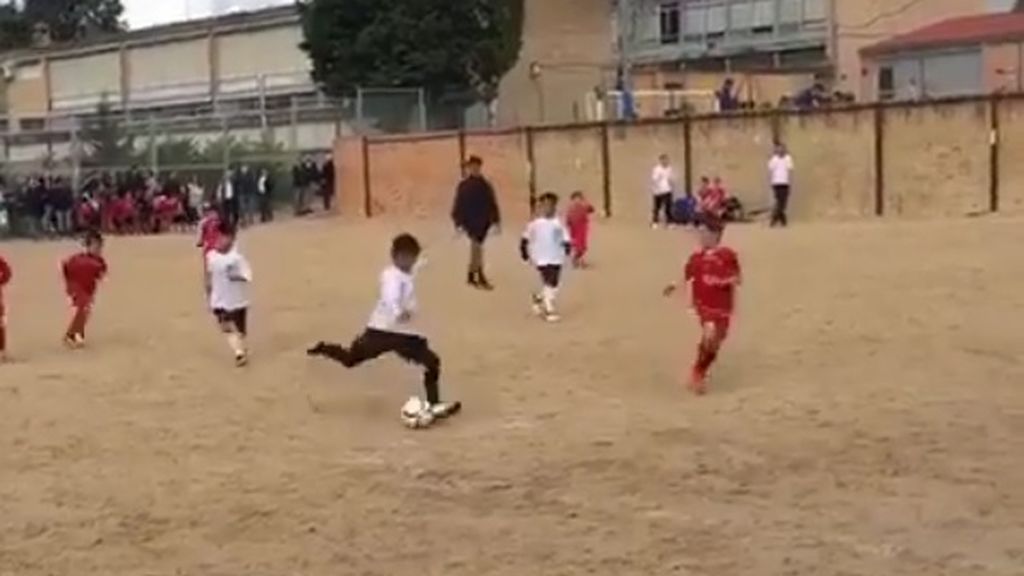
x=416 y=414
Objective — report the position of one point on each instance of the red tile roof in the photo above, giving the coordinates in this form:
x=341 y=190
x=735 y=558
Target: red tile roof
x=984 y=29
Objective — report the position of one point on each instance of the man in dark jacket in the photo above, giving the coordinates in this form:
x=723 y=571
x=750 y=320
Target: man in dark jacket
x=475 y=212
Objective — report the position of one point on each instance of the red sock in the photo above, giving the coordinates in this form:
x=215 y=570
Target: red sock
x=78 y=322
x=706 y=355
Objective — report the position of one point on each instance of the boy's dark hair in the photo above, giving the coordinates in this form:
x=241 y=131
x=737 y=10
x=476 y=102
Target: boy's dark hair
x=576 y=195
x=405 y=244
x=474 y=161
x=549 y=197
x=92 y=237
x=226 y=228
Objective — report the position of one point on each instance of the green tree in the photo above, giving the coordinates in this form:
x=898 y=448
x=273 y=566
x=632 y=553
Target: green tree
x=14 y=31
x=440 y=45
x=67 y=20
x=75 y=19
x=107 y=144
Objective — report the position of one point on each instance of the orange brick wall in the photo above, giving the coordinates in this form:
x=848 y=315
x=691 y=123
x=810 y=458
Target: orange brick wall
x=935 y=162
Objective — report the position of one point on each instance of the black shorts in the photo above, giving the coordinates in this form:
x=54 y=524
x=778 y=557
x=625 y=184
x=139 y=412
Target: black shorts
x=551 y=275
x=239 y=318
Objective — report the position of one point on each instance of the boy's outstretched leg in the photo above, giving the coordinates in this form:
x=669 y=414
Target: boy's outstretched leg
x=707 y=353
x=75 y=335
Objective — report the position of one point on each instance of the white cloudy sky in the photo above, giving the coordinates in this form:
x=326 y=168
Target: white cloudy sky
x=141 y=13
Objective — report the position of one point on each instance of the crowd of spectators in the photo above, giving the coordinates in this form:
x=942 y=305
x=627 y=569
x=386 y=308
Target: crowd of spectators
x=137 y=201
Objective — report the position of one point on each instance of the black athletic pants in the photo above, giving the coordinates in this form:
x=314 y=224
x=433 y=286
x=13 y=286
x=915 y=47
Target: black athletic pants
x=373 y=344
x=662 y=205
x=779 y=217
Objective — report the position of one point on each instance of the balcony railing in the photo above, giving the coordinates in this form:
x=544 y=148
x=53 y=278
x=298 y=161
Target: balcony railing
x=687 y=29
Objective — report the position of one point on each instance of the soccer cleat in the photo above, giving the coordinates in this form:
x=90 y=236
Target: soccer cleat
x=317 y=350
x=538 y=305
x=552 y=317
x=74 y=341
x=698 y=382
x=443 y=410
x=241 y=360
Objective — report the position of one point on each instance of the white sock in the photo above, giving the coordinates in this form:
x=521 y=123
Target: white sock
x=237 y=344
x=548 y=295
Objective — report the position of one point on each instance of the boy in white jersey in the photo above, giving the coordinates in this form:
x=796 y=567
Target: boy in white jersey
x=390 y=327
x=228 y=275
x=546 y=244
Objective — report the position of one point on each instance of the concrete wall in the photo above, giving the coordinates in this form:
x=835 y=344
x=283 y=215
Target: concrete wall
x=1011 y=150
x=1003 y=67
x=268 y=51
x=935 y=162
x=859 y=23
x=168 y=71
x=83 y=81
x=572 y=41
x=27 y=93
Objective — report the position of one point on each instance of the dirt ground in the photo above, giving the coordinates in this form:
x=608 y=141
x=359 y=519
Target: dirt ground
x=867 y=417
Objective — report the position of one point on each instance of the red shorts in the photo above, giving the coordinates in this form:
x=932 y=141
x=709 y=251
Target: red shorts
x=720 y=320
x=80 y=300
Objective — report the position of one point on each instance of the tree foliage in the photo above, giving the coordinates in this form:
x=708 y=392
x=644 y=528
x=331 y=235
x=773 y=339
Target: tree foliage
x=67 y=20
x=440 y=45
x=14 y=31
x=106 y=142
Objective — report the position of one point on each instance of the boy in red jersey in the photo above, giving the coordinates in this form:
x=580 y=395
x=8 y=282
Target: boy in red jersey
x=5 y=277
x=713 y=272
x=209 y=231
x=82 y=275
x=577 y=219
x=712 y=199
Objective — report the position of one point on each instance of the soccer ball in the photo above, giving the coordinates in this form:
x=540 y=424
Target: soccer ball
x=416 y=414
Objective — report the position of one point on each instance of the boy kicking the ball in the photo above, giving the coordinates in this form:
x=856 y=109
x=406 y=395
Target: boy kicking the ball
x=713 y=272
x=391 y=330
x=228 y=275
x=546 y=244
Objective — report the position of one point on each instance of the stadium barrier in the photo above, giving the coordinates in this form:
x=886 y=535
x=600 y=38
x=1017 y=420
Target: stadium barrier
x=936 y=158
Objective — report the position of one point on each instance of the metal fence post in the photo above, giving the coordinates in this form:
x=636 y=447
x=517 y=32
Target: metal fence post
x=293 y=136
x=154 y=151
x=76 y=157
x=422 y=96
x=359 y=106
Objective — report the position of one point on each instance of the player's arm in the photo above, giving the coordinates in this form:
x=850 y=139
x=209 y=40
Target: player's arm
x=688 y=274
x=524 y=244
x=566 y=241
x=5 y=272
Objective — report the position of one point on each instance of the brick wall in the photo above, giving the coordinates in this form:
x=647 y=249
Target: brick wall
x=572 y=41
x=932 y=160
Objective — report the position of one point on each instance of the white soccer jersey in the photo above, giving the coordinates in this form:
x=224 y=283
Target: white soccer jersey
x=546 y=239
x=397 y=297
x=230 y=274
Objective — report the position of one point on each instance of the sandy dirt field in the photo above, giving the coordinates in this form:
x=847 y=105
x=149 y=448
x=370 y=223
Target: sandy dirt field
x=867 y=417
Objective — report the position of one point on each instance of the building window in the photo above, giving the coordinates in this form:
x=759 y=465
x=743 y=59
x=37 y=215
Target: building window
x=886 y=84
x=32 y=124
x=669 y=22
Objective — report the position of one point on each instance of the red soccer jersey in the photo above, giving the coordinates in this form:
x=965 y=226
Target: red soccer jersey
x=578 y=216
x=712 y=200
x=5 y=277
x=208 y=233
x=5 y=272
x=82 y=274
x=712 y=273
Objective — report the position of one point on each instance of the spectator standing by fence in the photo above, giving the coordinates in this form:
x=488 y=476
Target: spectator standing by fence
x=663 y=187
x=474 y=213
x=327 y=186
x=780 y=170
x=265 y=189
